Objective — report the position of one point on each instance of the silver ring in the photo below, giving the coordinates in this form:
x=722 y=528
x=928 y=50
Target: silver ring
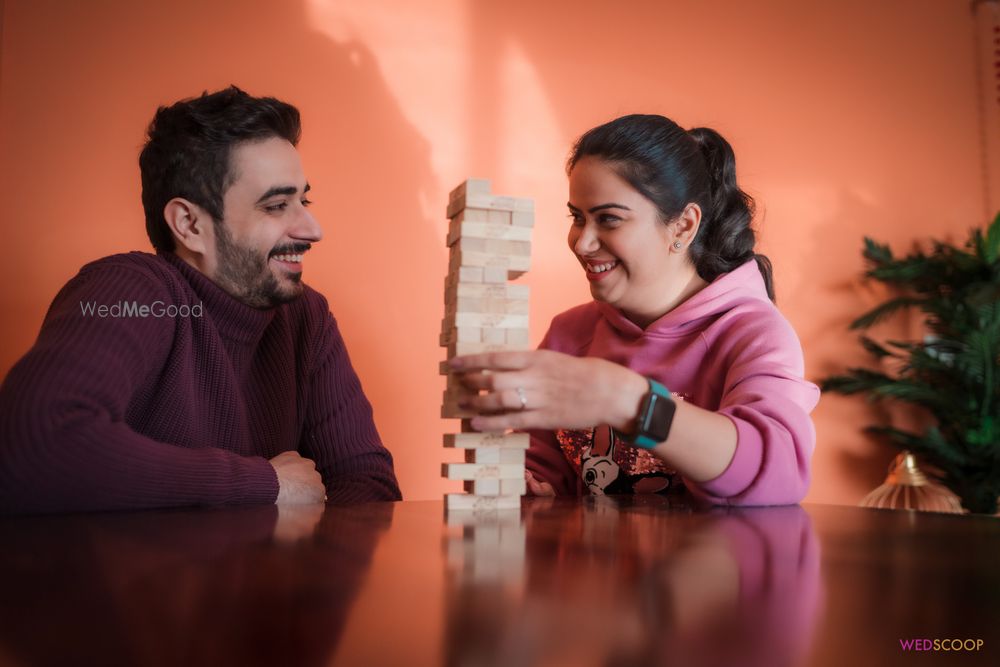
x=524 y=399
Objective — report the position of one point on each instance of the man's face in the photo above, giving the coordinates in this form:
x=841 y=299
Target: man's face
x=266 y=229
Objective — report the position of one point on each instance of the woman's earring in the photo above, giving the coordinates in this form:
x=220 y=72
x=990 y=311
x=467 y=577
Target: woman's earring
x=677 y=245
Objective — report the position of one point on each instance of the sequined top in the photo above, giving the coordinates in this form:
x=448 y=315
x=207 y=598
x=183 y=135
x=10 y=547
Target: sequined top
x=607 y=464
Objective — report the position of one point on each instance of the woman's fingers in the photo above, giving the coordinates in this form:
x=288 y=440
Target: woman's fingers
x=495 y=401
x=492 y=360
x=492 y=381
x=505 y=420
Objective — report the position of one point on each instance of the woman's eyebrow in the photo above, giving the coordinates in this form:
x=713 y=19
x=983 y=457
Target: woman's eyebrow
x=601 y=207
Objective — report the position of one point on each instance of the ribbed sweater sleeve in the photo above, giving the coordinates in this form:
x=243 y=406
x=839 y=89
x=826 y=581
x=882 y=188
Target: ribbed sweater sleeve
x=64 y=441
x=340 y=434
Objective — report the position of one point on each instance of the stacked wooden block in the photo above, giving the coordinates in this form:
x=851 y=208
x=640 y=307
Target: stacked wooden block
x=490 y=242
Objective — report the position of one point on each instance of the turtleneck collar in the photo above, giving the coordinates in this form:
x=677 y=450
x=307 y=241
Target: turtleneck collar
x=740 y=285
x=234 y=319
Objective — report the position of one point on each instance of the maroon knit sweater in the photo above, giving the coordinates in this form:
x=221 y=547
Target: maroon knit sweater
x=132 y=412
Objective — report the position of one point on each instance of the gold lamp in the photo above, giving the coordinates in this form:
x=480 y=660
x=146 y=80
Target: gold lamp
x=907 y=487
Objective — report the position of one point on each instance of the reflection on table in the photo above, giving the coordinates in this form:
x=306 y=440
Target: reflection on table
x=609 y=581
x=631 y=580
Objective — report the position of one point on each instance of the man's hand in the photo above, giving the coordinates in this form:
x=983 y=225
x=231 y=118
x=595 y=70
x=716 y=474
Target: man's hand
x=298 y=481
x=537 y=487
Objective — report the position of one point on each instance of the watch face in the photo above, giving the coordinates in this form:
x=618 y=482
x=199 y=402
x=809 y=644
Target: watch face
x=659 y=416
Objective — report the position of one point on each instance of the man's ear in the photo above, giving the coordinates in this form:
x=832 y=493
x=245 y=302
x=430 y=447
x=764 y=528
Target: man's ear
x=190 y=224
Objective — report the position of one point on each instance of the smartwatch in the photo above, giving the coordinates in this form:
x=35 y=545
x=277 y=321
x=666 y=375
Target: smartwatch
x=656 y=414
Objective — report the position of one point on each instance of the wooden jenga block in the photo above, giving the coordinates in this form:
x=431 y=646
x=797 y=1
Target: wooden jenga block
x=454 y=384
x=488 y=202
x=495 y=217
x=466 y=471
x=464 y=502
x=463 y=275
x=467 y=304
x=457 y=230
x=466 y=427
x=485 y=306
x=507 y=247
x=496 y=487
x=462 y=349
x=451 y=410
x=506 y=306
x=486 y=290
x=475 y=439
x=513 y=487
x=498 y=274
x=494 y=336
x=466 y=335
x=523 y=219
x=469 y=187
x=454 y=393
x=487 y=320
x=482 y=487
x=477 y=216
x=494 y=455
x=518 y=337
x=471 y=244
x=511 y=263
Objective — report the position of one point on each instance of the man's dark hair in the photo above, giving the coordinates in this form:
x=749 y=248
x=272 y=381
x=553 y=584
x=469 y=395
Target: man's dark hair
x=188 y=147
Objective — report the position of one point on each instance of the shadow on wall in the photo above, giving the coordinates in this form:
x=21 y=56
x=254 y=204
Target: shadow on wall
x=368 y=165
x=371 y=171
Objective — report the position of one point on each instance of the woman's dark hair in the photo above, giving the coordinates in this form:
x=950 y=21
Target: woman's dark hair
x=188 y=147
x=673 y=168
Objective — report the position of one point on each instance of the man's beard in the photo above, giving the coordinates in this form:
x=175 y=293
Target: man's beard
x=244 y=273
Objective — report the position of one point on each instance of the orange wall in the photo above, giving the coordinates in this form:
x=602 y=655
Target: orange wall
x=848 y=118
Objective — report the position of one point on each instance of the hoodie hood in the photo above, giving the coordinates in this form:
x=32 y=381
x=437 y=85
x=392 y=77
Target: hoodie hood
x=736 y=288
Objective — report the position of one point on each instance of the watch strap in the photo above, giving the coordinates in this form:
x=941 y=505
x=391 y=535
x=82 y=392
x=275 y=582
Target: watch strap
x=656 y=405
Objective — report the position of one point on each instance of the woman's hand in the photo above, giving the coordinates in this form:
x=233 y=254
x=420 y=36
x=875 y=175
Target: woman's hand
x=549 y=390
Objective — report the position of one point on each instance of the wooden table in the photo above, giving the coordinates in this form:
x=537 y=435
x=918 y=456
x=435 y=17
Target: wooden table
x=593 y=581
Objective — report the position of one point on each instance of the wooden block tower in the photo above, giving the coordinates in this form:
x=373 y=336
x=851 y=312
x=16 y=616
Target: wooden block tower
x=489 y=237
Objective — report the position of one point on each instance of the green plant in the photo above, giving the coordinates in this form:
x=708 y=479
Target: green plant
x=954 y=373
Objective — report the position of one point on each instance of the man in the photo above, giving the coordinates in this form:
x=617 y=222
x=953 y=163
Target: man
x=207 y=373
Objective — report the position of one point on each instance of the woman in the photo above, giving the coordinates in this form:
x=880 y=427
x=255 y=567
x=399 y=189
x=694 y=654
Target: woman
x=662 y=232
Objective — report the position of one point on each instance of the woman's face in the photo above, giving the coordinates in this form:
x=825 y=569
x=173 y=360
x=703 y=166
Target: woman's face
x=620 y=240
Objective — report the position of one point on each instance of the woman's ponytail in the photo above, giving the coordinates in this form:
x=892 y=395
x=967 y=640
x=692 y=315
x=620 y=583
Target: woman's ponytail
x=726 y=239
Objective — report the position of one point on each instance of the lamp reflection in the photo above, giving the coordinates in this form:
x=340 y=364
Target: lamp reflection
x=637 y=580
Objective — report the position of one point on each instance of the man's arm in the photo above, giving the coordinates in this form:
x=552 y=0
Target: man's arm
x=64 y=443
x=340 y=434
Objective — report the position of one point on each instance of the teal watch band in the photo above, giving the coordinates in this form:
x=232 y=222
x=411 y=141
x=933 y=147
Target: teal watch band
x=656 y=415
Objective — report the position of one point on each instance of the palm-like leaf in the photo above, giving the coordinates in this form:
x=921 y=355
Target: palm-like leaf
x=954 y=374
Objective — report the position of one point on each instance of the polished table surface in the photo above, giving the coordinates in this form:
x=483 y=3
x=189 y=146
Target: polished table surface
x=592 y=581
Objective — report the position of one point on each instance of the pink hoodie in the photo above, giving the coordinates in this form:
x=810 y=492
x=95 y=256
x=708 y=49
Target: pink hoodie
x=725 y=349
